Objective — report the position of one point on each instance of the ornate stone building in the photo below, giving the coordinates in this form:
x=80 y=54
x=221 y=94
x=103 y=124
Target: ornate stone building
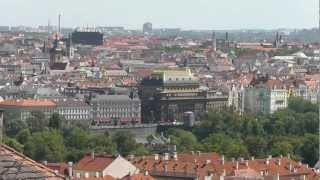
x=167 y=94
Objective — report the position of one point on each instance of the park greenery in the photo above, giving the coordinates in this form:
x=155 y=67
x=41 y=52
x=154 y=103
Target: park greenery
x=290 y=131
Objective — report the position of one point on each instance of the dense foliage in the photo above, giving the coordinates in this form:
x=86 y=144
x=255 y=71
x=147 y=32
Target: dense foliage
x=51 y=140
x=290 y=131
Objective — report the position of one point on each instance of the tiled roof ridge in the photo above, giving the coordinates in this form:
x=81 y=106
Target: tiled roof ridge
x=33 y=162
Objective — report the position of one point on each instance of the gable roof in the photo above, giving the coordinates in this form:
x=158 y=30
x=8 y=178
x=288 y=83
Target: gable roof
x=98 y=163
x=14 y=165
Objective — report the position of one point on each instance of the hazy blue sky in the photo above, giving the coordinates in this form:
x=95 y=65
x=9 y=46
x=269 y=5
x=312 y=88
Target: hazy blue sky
x=186 y=14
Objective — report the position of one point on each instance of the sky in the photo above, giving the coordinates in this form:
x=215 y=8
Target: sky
x=185 y=14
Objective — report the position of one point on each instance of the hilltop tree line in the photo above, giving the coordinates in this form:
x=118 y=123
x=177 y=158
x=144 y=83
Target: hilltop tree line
x=291 y=131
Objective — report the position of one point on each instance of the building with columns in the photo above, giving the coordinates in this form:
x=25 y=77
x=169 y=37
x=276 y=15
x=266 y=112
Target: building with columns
x=167 y=94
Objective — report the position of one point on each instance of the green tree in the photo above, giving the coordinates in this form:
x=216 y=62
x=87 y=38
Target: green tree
x=299 y=105
x=23 y=135
x=184 y=140
x=46 y=145
x=224 y=144
x=13 y=143
x=102 y=143
x=56 y=121
x=281 y=148
x=77 y=138
x=256 y=146
x=12 y=123
x=126 y=144
x=37 y=121
x=310 y=149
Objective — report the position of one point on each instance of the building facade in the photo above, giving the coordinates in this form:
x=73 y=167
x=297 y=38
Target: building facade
x=167 y=94
x=74 y=109
x=264 y=100
x=116 y=109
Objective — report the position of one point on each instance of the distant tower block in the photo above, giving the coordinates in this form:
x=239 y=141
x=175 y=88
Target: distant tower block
x=147 y=28
x=214 y=42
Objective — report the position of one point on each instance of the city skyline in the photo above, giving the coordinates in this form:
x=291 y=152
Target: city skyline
x=203 y=14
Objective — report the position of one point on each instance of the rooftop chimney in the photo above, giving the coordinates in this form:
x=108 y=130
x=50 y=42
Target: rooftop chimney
x=174 y=148
x=247 y=164
x=175 y=156
x=131 y=157
x=252 y=158
x=156 y=157
x=166 y=157
x=267 y=161
x=92 y=155
x=45 y=163
x=199 y=153
x=165 y=166
x=70 y=171
x=290 y=167
x=279 y=162
x=237 y=165
x=222 y=159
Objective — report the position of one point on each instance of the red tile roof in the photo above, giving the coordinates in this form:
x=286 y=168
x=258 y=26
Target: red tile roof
x=140 y=176
x=99 y=163
x=97 y=178
x=28 y=103
x=204 y=164
x=60 y=167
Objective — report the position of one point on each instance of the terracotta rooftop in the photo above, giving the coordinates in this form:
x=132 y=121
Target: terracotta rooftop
x=97 y=178
x=61 y=168
x=14 y=165
x=204 y=164
x=140 y=176
x=98 y=163
x=28 y=103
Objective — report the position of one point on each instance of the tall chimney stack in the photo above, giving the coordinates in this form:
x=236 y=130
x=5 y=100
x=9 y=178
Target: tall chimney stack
x=214 y=41
x=59 y=24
